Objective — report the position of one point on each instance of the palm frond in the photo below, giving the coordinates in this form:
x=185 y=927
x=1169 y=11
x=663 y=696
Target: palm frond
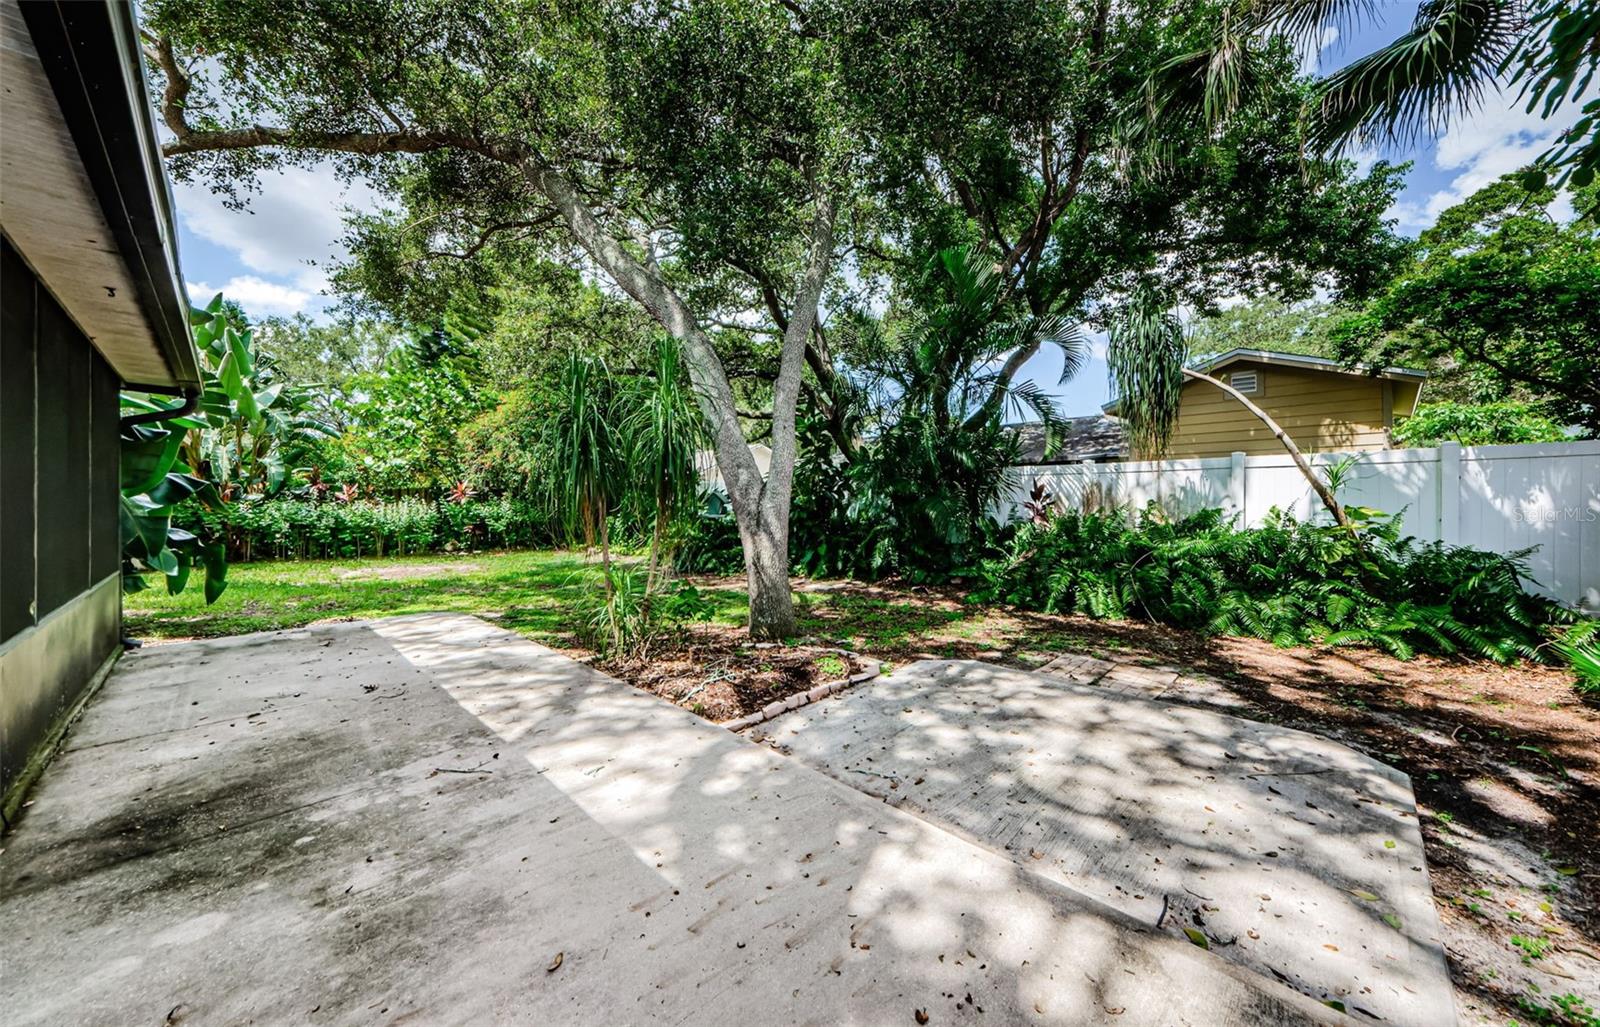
x=1305 y=20
x=1437 y=70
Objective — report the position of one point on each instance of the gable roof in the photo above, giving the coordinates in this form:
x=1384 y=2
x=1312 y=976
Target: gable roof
x=1090 y=439
x=1300 y=361
x=1305 y=362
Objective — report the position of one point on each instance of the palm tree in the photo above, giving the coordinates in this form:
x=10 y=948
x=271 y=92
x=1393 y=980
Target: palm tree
x=590 y=464
x=663 y=429
x=1439 y=69
x=941 y=455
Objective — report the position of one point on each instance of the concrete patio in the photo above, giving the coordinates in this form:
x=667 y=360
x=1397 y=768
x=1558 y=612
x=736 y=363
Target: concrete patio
x=1290 y=854
x=430 y=820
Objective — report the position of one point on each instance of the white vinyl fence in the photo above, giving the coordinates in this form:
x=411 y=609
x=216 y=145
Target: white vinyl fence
x=1499 y=498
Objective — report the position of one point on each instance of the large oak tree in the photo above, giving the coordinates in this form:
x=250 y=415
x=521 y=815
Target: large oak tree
x=518 y=119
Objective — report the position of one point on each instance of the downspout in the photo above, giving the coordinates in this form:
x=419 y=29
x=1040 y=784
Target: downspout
x=191 y=400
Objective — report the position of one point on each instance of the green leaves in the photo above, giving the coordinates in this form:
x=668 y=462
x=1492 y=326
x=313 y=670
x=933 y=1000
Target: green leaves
x=148 y=454
x=1499 y=299
x=243 y=416
x=1287 y=582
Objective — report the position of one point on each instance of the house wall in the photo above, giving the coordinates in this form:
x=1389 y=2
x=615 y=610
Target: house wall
x=1500 y=498
x=60 y=551
x=1321 y=411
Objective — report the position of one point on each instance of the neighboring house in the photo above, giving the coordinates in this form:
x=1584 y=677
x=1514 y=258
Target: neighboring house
x=1094 y=439
x=716 y=490
x=90 y=300
x=1321 y=405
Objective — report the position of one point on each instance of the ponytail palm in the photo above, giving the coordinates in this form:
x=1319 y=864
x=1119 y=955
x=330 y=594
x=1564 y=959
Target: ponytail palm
x=664 y=430
x=591 y=470
x=1148 y=360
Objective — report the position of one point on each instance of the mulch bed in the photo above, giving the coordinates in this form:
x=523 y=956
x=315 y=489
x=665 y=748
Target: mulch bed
x=720 y=675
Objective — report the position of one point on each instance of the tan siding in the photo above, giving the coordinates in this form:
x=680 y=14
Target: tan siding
x=1321 y=411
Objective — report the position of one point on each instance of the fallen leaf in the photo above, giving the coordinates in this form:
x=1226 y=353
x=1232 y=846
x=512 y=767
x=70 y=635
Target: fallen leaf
x=555 y=964
x=1567 y=871
x=921 y=1016
x=1366 y=895
x=1197 y=937
x=1389 y=844
x=1392 y=920
x=1330 y=948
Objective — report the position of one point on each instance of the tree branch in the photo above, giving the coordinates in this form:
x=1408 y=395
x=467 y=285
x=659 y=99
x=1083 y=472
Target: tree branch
x=483 y=240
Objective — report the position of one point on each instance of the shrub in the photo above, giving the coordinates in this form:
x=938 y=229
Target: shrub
x=628 y=617
x=1288 y=582
x=1579 y=647
x=1478 y=424
x=711 y=546
x=287 y=529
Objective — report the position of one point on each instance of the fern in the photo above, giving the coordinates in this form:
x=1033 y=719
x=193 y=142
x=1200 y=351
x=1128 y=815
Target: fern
x=1289 y=583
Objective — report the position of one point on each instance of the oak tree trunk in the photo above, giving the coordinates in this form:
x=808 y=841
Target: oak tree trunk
x=760 y=506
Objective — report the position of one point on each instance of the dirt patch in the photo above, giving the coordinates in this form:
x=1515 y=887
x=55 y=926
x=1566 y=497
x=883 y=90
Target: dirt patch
x=405 y=571
x=716 y=671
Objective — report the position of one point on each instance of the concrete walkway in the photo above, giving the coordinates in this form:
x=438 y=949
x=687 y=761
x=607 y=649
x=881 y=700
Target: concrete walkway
x=428 y=820
x=1286 y=853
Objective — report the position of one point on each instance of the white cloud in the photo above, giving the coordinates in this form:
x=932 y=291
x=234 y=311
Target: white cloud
x=1499 y=138
x=297 y=217
x=257 y=296
x=1311 y=58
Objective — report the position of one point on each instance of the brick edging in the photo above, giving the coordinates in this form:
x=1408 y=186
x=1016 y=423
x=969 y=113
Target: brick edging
x=811 y=695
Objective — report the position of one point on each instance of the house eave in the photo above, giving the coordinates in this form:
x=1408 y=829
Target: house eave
x=82 y=193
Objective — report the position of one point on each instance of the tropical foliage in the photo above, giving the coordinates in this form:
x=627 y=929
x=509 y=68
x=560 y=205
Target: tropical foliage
x=1288 y=582
x=627 y=446
x=237 y=442
x=933 y=400
x=1454 y=53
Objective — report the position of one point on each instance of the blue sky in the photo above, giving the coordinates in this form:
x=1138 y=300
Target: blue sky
x=271 y=258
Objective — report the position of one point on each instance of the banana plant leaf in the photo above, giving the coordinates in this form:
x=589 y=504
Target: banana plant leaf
x=148 y=454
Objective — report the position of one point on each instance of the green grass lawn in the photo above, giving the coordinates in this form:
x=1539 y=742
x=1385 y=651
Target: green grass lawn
x=535 y=593
x=532 y=593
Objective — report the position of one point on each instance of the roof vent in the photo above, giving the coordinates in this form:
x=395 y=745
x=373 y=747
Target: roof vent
x=1247 y=382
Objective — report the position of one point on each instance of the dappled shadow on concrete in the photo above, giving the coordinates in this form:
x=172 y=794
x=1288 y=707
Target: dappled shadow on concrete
x=824 y=905
x=431 y=820
x=1283 y=852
